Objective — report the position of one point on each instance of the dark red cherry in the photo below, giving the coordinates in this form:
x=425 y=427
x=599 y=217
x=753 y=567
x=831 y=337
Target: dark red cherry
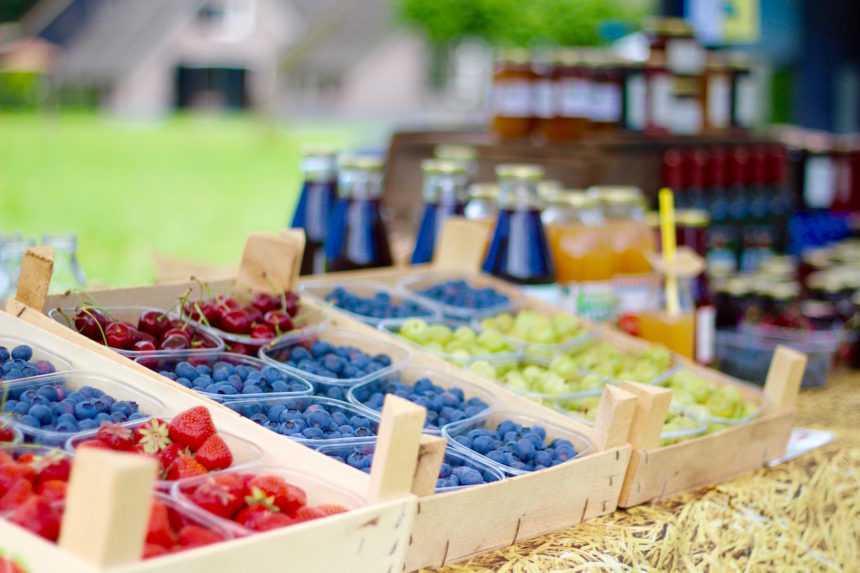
x=88 y=322
x=266 y=302
x=236 y=322
x=154 y=322
x=262 y=332
x=279 y=321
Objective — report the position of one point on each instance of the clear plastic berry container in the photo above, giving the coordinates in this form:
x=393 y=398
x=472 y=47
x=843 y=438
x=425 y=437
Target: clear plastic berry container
x=169 y=360
x=454 y=458
x=751 y=394
x=148 y=405
x=17 y=435
x=419 y=283
x=287 y=408
x=538 y=350
x=608 y=369
x=512 y=351
x=319 y=491
x=244 y=452
x=39 y=353
x=130 y=314
x=182 y=514
x=361 y=394
x=17 y=450
x=490 y=421
x=319 y=291
x=278 y=353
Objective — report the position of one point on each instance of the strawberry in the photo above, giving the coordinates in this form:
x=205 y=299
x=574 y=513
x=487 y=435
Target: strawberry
x=52 y=490
x=159 y=531
x=20 y=492
x=151 y=550
x=11 y=473
x=52 y=466
x=214 y=454
x=332 y=509
x=8 y=565
x=6 y=433
x=169 y=454
x=6 y=459
x=152 y=436
x=258 y=518
x=236 y=483
x=217 y=498
x=197 y=536
x=272 y=490
x=37 y=515
x=94 y=444
x=192 y=427
x=27 y=458
x=185 y=466
x=116 y=436
x=308 y=512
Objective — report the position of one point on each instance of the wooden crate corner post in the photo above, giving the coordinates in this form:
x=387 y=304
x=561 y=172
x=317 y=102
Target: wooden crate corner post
x=271 y=261
x=784 y=376
x=431 y=453
x=37 y=266
x=652 y=406
x=615 y=414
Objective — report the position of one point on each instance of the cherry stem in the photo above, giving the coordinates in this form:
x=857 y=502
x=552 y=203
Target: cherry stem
x=278 y=292
x=87 y=311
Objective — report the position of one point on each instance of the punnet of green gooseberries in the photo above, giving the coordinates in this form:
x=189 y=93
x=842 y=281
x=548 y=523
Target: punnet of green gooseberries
x=460 y=344
x=534 y=327
x=705 y=398
x=605 y=360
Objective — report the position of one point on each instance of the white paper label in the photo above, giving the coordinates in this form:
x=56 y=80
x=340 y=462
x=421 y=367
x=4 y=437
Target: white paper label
x=660 y=101
x=594 y=300
x=637 y=102
x=705 y=334
x=574 y=98
x=687 y=116
x=745 y=101
x=719 y=101
x=819 y=182
x=550 y=294
x=543 y=102
x=606 y=102
x=685 y=56
x=512 y=98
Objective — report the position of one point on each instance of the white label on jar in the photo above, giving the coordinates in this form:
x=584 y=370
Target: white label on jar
x=574 y=98
x=686 y=116
x=705 y=334
x=594 y=300
x=637 y=102
x=512 y=98
x=819 y=182
x=745 y=101
x=660 y=101
x=606 y=102
x=550 y=294
x=719 y=101
x=543 y=102
x=685 y=56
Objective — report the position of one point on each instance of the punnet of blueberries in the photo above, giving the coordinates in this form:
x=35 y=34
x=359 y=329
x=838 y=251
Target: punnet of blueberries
x=459 y=293
x=226 y=379
x=515 y=446
x=18 y=363
x=380 y=305
x=444 y=405
x=304 y=419
x=57 y=408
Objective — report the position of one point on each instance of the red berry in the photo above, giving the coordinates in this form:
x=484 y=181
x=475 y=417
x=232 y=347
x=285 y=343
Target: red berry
x=254 y=314
x=238 y=348
x=16 y=495
x=169 y=455
x=91 y=323
x=279 y=321
x=174 y=342
x=116 y=436
x=274 y=491
x=266 y=302
x=11 y=473
x=185 y=466
x=236 y=322
x=52 y=466
x=182 y=330
x=153 y=436
x=154 y=322
x=192 y=427
x=143 y=346
x=53 y=490
x=6 y=433
x=218 y=498
x=38 y=516
x=258 y=518
x=214 y=454
x=197 y=536
x=121 y=335
x=151 y=550
x=629 y=323
x=159 y=531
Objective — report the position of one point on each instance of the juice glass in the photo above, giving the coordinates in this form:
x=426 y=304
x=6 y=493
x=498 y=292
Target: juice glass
x=630 y=237
x=674 y=331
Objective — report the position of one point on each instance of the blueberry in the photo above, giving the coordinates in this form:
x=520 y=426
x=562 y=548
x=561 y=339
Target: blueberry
x=103 y=418
x=9 y=405
x=137 y=416
x=118 y=417
x=76 y=397
x=346 y=430
x=67 y=427
x=359 y=422
x=88 y=425
x=270 y=374
x=22 y=352
x=362 y=432
x=122 y=407
x=185 y=370
x=260 y=418
x=4 y=354
x=497 y=456
x=467 y=475
x=203 y=370
x=294 y=426
x=290 y=415
x=335 y=392
x=543 y=458
x=313 y=433
x=86 y=410
x=525 y=450
x=184 y=382
x=21 y=408
x=28 y=420
x=42 y=413
x=482 y=444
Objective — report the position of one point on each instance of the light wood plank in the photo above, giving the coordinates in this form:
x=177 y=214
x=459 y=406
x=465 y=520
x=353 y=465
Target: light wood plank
x=431 y=453
x=614 y=418
x=461 y=245
x=784 y=376
x=271 y=262
x=396 y=455
x=37 y=266
x=650 y=414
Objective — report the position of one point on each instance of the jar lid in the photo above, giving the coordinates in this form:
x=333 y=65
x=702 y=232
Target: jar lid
x=548 y=188
x=455 y=152
x=824 y=281
x=443 y=167
x=779 y=265
x=519 y=171
x=483 y=191
x=575 y=198
x=362 y=162
x=686 y=86
x=816 y=257
x=691 y=218
x=662 y=26
x=515 y=56
x=616 y=195
x=570 y=57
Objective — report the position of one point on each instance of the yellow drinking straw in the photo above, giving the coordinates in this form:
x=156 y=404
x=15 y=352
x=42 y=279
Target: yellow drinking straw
x=667 y=230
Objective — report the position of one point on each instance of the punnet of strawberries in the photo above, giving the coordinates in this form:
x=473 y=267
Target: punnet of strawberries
x=171 y=529
x=187 y=446
x=256 y=502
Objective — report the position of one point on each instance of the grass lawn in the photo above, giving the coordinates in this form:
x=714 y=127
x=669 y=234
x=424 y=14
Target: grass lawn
x=188 y=187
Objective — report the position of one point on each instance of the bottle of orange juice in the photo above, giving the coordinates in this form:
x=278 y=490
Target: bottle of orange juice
x=583 y=255
x=631 y=239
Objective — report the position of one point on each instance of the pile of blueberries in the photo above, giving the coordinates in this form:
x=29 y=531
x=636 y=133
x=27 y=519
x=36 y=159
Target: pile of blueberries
x=53 y=407
x=456 y=471
x=461 y=294
x=379 y=305
x=444 y=405
x=17 y=364
x=301 y=419
x=227 y=379
x=516 y=446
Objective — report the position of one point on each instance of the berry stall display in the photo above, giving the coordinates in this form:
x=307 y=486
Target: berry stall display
x=457 y=343
x=136 y=331
x=368 y=301
x=20 y=360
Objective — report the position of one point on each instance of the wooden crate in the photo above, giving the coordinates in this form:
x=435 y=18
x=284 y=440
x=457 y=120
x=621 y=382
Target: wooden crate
x=454 y=525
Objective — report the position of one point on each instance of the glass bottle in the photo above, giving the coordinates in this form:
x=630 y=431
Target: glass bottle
x=606 y=97
x=695 y=163
x=68 y=274
x=635 y=96
x=744 y=96
x=722 y=244
x=691 y=230
x=573 y=97
x=737 y=182
x=781 y=196
x=357 y=237
x=444 y=197
x=11 y=254
x=483 y=203
x=758 y=233
x=718 y=95
x=519 y=251
x=313 y=211
x=631 y=239
x=465 y=154
x=673 y=177
x=543 y=91
x=512 y=100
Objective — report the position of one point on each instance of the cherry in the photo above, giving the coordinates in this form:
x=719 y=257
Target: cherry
x=6 y=433
x=236 y=322
x=154 y=322
x=88 y=321
x=254 y=313
x=238 y=348
x=174 y=342
x=121 y=335
x=262 y=332
x=279 y=321
x=185 y=332
x=143 y=345
x=291 y=301
x=148 y=337
x=224 y=300
x=266 y=302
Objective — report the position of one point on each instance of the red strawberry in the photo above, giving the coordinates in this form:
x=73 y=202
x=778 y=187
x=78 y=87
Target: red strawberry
x=37 y=515
x=8 y=565
x=151 y=550
x=152 y=436
x=218 y=498
x=6 y=433
x=197 y=536
x=192 y=427
x=169 y=455
x=16 y=495
x=159 y=531
x=116 y=436
x=272 y=490
x=214 y=454
x=258 y=518
x=11 y=473
x=332 y=508
x=94 y=444
x=185 y=466
x=52 y=466
x=308 y=513
x=53 y=490
x=6 y=459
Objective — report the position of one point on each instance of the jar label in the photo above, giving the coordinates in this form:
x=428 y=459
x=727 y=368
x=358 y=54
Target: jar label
x=685 y=56
x=637 y=102
x=606 y=102
x=543 y=100
x=574 y=98
x=705 y=334
x=719 y=101
x=550 y=294
x=745 y=101
x=512 y=98
x=660 y=101
x=686 y=116
x=819 y=182
x=594 y=300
